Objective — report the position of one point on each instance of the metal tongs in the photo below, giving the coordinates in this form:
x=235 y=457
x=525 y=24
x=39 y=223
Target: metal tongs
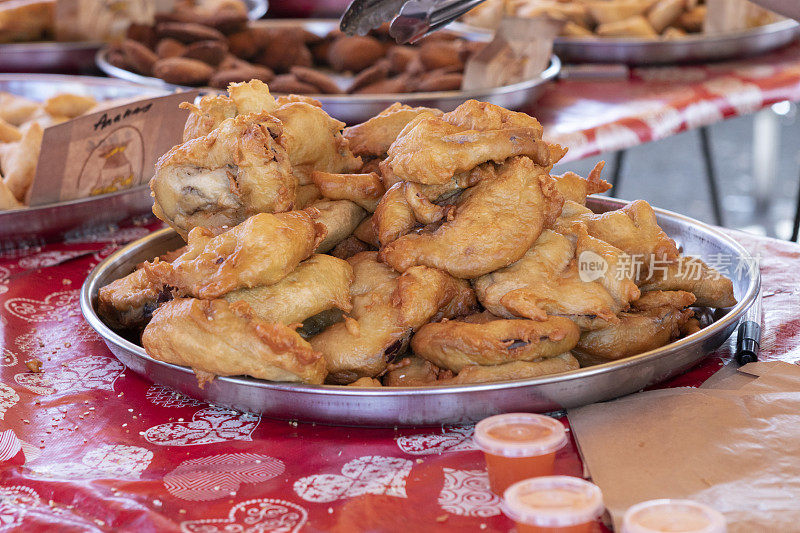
x=411 y=20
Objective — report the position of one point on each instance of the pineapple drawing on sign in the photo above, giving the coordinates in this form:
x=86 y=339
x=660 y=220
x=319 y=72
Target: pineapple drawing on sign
x=114 y=164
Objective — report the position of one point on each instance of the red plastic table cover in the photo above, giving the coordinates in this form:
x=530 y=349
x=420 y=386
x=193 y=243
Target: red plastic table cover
x=89 y=445
x=591 y=116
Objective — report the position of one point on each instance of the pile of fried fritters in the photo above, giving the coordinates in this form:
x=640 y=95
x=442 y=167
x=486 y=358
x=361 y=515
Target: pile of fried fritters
x=418 y=248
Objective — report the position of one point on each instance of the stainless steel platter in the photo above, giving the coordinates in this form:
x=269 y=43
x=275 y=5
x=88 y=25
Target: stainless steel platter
x=437 y=405
x=691 y=49
x=73 y=57
x=358 y=108
x=21 y=226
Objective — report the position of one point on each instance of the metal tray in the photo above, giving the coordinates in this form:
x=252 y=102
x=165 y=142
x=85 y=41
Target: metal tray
x=640 y=52
x=22 y=226
x=73 y=57
x=353 y=109
x=436 y=405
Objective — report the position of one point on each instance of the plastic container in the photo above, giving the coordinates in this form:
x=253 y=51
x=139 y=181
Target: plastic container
x=518 y=446
x=553 y=504
x=673 y=516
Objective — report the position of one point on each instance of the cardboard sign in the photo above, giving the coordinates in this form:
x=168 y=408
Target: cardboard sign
x=108 y=150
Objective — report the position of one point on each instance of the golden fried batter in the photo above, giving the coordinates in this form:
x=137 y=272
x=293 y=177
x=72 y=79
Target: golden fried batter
x=431 y=151
x=125 y=302
x=373 y=137
x=350 y=247
x=260 y=251
x=547 y=281
x=366 y=232
x=393 y=217
x=417 y=372
x=339 y=218
x=314 y=141
x=653 y=299
x=218 y=180
x=455 y=344
x=387 y=308
x=218 y=338
x=18 y=160
x=319 y=283
x=575 y=188
x=364 y=189
x=635 y=333
x=494 y=223
x=212 y=109
x=691 y=274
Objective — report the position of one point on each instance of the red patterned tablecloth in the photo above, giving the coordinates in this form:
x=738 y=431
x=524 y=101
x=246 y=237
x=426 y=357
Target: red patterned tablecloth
x=89 y=445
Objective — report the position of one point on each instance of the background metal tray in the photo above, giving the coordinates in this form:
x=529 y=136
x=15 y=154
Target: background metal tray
x=353 y=109
x=50 y=221
x=691 y=49
x=436 y=405
x=73 y=57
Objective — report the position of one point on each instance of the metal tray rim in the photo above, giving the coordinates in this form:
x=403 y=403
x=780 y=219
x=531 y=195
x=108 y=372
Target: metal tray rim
x=733 y=316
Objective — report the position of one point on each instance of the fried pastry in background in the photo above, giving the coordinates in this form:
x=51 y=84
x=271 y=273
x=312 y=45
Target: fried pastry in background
x=547 y=281
x=374 y=137
x=314 y=141
x=339 y=218
x=216 y=338
x=7 y=198
x=18 y=160
x=635 y=333
x=387 y=308
x=364 y=189
x=691 y=274
x=219 y=180
x=260 y=251
x=494 y=223
x=482 y=340
x=317 y=284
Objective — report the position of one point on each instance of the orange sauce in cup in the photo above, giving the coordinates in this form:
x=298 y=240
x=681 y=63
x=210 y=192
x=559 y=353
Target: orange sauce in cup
x=518 y=446
x=553 y=504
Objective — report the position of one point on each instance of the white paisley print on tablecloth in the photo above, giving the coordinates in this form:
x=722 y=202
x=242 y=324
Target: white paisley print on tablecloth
x=467 y=493
x=217 y=476
x=93 y=372
x=109 y=461
x=213 y=424
x=54 y=307
x=371 y=474
x=263 y=515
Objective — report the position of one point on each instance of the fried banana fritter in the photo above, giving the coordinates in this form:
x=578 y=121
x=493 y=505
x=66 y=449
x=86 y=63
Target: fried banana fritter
x=260 y=251
x=455 y=344
x=365 y=190
x=339 y=218
x=216 y=338
x=319 y=283
x=373 y=137
x=547 y=281
x=691 y=274
x=387 y=308
x=494 y=223
x=218 y=180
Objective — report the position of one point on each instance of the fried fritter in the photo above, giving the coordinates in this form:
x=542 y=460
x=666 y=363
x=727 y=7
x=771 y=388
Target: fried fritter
x=393 y=217
x=314 y=141
x=654 y=299
x=547 y=281
x=387 y=308
x=431 y=151
x=634 y=333
x=364 y=189
x=319 y=283
x=366 y=232
x=455 y=344
x=350 y=247
x=494 y=223
x=339 y=218
x=260 y=251
x=575 y=188
x=218 y=180
x=691 y=274
x=213 y=109
x=126 y=302
x=417 y=372
x=18 y=160
x=217 y=338
x=373 y=137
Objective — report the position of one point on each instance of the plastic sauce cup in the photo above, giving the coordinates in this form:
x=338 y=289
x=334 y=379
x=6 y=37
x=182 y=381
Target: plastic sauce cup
x=553 y=504
x=672 y=516
x=518 y=446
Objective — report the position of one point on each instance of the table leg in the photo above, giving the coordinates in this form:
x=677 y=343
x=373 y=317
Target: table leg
x=711 y=176
x=796 y=225
x=766 y=145
x=616 y=174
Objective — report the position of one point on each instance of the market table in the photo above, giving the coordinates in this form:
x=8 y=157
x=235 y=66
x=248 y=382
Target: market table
x=89 y=445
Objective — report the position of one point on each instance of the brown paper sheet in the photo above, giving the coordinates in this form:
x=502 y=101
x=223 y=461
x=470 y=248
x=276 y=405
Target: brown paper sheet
x=108 y=150
x=735 y=450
